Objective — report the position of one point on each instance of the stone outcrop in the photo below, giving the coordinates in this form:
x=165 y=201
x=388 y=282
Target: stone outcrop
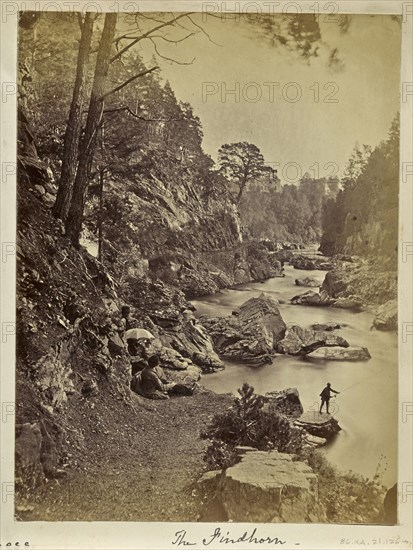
x=308 y=282
x=285 y=401
x=251 y=335
x=361 y=282
x=321 y=425
x=299 y=341
x=386 y=316
x=340 y=354
x=266 y=487
x=311 y=298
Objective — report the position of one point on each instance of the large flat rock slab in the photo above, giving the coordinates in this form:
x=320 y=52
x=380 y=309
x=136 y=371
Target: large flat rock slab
x=269 y=487
x=339 y=354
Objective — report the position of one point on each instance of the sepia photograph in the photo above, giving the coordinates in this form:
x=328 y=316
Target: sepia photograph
x=207 y=269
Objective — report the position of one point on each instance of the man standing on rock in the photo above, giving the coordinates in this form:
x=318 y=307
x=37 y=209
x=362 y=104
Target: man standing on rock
x=326 y=396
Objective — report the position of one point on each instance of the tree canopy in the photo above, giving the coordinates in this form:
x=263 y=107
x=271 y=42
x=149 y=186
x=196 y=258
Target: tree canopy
x=241 y=162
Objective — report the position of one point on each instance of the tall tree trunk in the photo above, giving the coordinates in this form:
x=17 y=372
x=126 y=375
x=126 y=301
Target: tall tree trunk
x=74 y=127
x=75 y=216
x=100 y=220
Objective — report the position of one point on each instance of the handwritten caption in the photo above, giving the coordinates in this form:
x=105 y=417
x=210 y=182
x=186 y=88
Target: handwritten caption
x=181 y=538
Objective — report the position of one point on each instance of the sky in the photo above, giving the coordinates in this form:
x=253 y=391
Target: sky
x=308 y=117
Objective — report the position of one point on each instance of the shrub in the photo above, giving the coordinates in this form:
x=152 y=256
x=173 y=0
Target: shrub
x=247 y=423
x=348 y=497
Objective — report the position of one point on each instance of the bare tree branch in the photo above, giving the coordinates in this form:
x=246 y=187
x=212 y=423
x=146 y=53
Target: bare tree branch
x=151 y=18
x=203 y=31
x=128 y=82
x=169 y=58
x=148 y=34
x=177 y=41
x=135 y=115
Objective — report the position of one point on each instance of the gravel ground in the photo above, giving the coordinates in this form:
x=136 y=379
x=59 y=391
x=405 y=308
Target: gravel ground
x=140 y=467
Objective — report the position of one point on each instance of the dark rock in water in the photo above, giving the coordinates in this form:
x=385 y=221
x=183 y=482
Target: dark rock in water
x=354 y=304
x=308 y=282
x=311 y=298
x=303 y=262
x=340 y=354
x=283 y=489
x=299 y=341
x=390 y=506
x=386 y=316
x=250 y=336
x=318 y=424
x=329 y=327
x=285 y=401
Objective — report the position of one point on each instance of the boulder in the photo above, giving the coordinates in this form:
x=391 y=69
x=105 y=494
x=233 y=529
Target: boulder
x=308 y=282
x=321 y=425
x=172 y=359
x=352 y=303
x=386 y=316
x=266 y=487
x=334 y=283
x=311 y=298
x=252 y=335
x=285 y=401
x=299 y=341
x=390 y=506
x=194 y=343
x=340 y=354
x=329 y=327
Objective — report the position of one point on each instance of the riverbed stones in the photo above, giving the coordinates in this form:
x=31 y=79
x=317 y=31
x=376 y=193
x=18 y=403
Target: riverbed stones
x=311 y=298
x=329 y=327
x=308 y=282
x=386 y=316
x=318 y=424
x=252 y=335
x=267 y=487
x=303 y=262
x=340 y=354
x=300 y=341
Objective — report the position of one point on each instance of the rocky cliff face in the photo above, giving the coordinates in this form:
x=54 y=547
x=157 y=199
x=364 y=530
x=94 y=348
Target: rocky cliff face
x=67 y=350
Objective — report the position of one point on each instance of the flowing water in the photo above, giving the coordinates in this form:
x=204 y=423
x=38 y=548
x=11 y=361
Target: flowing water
x=367 y=405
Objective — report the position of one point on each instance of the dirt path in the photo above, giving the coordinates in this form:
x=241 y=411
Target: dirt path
x=139 y=468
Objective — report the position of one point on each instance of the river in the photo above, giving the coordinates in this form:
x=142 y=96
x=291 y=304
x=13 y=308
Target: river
x=367 y=405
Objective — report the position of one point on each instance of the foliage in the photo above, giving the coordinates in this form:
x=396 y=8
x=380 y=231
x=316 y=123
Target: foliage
x=293 y=213
x=363 y=217
x=246 y=422
x=347 y=496
x=241 y=162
